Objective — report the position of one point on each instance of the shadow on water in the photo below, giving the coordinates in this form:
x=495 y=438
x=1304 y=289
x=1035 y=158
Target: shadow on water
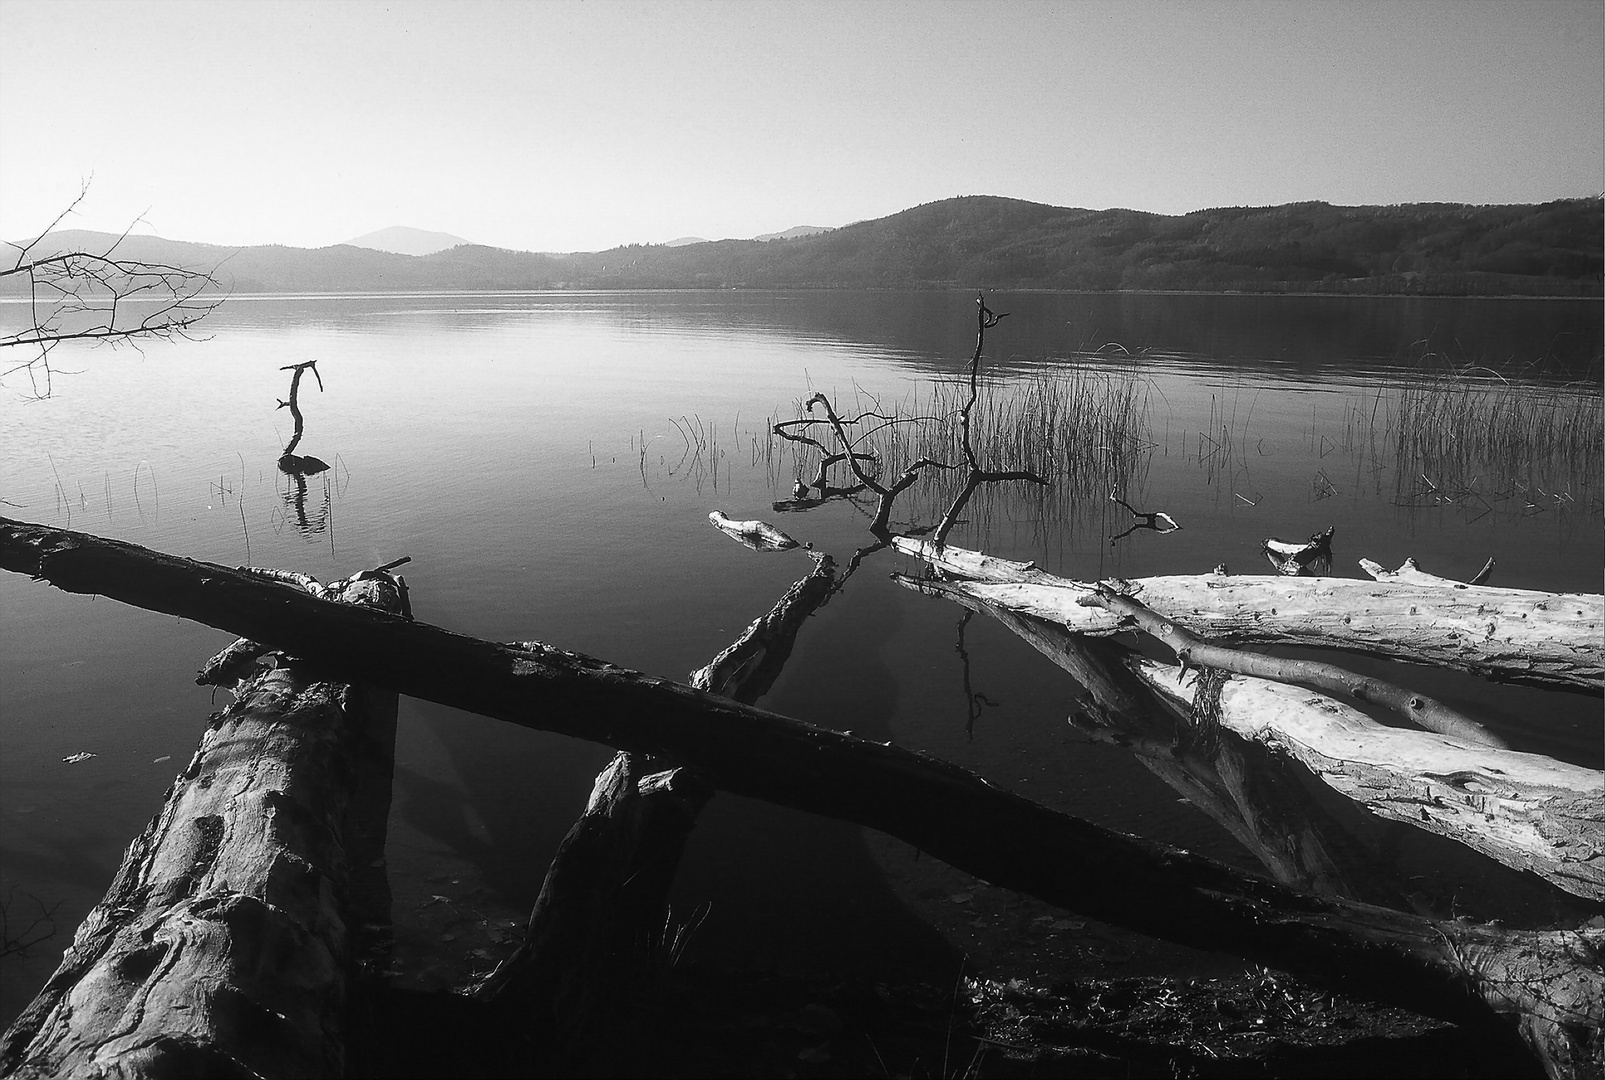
x=797 y=894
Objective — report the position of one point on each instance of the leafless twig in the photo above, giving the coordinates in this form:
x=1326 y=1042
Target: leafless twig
x=98 y=297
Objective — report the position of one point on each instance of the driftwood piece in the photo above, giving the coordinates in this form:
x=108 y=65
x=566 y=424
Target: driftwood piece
x=758 y=535
x=1311 y=558
x=1527 y=811
x=1259 y=798
x=1192 y=650
x=1409 y=572
x=1553 y=640
x=222 y=947
x=1548 y=982
x=746 y=669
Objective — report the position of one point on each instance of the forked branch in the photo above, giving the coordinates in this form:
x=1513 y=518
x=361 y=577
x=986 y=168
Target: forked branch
x=99 y=297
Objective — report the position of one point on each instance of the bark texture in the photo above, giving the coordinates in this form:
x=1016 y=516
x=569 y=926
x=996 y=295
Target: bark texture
x=1554 y=640
x=222 y=947
x=1525 y=810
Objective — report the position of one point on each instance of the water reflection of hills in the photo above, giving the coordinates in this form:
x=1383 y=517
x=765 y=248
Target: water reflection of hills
x=1302 y=335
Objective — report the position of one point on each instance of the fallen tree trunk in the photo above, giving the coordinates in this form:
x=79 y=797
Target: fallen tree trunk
x=601 y=925
x=1192 y=650
x=1252 y=794
x=222 y=947
x=1548 y=982
x=1527 y=811
x=1554 y=640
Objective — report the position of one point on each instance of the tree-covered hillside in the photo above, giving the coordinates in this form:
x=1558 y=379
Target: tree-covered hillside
x=989 y=242
x=980 y=241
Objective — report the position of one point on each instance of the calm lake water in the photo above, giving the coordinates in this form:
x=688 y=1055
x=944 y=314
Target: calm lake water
x=548 y=462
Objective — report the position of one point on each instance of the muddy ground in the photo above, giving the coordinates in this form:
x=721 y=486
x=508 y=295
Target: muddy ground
x=1026 y=991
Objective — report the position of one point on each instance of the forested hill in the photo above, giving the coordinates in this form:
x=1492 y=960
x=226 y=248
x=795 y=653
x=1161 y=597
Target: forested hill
x=989 y=242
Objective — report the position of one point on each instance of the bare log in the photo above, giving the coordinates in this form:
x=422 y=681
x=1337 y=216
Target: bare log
x=1408 y=571
x=1190 y=649
x=758 y=535
x=1265 y=805
x=1548 y=982
x=746 y=669
x=223 y=945
x=1553 y=640
x=1527 y=811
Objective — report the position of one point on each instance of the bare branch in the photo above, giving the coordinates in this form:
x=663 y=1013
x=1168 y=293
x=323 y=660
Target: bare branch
x=91 y=296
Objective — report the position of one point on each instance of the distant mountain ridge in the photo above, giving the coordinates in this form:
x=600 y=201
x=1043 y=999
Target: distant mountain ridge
x=990 y=242
x=403 y=240
x=790 y=234
x=794 y=232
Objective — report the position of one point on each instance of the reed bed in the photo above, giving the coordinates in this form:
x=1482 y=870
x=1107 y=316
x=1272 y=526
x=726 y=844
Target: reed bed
x=1491 y=444
x=1084 y=428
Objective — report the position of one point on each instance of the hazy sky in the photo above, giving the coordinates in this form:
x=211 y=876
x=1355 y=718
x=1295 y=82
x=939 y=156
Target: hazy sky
x=563 y=126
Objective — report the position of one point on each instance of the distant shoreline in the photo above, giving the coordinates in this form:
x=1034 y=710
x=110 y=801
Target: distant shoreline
x=420 y=294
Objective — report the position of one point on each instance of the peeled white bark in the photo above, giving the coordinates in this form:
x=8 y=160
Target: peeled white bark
x=1514 y=635
x=1525 y=810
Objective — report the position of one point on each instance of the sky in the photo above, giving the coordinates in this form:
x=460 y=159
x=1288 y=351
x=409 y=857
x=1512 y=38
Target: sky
x=580 y=126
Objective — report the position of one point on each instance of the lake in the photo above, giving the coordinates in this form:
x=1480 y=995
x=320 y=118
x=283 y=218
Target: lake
x=548 y=461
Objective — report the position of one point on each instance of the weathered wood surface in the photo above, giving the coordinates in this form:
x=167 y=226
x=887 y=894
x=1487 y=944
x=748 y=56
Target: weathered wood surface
x=1261 y=799
x=1544 y=639
x=1409 y=572
x=1409 y=705
x=746 y=669
x=1548 y=982
x=1308 y=558
x=758 y=535
x=222 y=947
x=1527 y=811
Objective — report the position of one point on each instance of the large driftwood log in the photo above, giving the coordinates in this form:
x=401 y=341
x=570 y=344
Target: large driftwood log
x=1192 y=650
x=1265 y=804
x=1548 y=982
x=1527 y=811
x=1554 y=640
x=222 y=947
